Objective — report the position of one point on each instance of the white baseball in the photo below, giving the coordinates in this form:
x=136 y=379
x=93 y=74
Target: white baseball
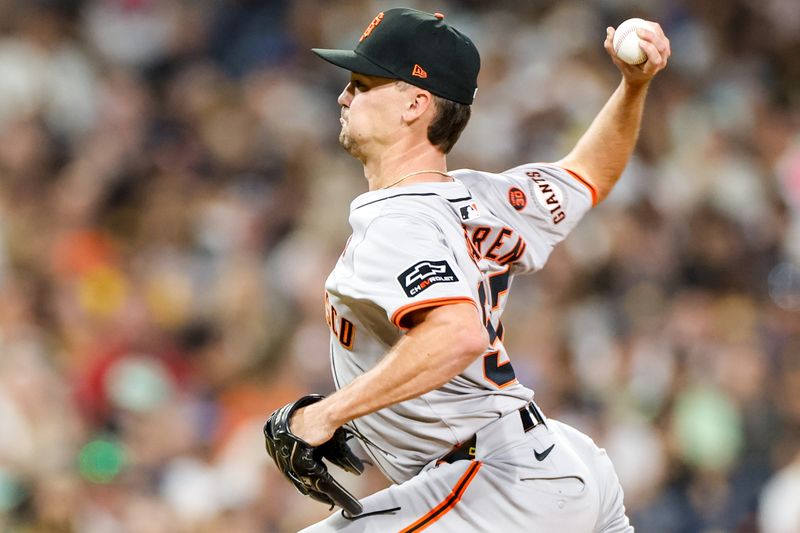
x=626 y=41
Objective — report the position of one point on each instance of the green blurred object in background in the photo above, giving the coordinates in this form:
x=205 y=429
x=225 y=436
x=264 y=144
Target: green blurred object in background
x=11 y=492
x=101 y=460
x=708 y=428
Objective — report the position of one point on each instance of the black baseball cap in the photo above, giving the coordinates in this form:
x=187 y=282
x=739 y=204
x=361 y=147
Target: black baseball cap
x=416 y=47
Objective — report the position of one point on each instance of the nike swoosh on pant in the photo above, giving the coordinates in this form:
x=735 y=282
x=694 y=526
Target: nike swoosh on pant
x=541 y=456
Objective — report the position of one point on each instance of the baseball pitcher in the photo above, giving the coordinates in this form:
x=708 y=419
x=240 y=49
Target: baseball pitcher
x=414 y=304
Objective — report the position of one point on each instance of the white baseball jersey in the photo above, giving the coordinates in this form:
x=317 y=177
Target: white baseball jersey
x=432 y=244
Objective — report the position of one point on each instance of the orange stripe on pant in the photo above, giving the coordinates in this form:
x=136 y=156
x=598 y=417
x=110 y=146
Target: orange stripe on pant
x=448 y=503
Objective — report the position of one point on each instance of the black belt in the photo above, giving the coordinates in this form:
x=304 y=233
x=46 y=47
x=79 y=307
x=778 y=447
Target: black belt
x=531 y=417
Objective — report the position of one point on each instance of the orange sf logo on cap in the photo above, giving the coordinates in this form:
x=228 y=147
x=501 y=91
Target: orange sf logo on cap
x=372 y=25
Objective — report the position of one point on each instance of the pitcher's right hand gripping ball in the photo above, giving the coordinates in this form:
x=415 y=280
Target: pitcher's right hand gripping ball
x=653 y=43
x=302 y=463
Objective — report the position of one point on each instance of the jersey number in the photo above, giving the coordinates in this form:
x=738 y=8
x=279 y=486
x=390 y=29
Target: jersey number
x=501 y=374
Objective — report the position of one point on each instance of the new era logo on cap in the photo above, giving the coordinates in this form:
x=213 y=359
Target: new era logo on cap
x=419 y=72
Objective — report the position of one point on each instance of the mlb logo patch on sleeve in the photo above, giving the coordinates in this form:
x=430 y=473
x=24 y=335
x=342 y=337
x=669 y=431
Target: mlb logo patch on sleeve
x=422 y=275
x=469 y=212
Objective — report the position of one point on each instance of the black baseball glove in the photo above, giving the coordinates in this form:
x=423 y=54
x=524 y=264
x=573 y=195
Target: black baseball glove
x=302 y=463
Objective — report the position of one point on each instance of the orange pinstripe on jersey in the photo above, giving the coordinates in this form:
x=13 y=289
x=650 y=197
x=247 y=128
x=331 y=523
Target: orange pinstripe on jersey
x=400 y=314
x=448 y=503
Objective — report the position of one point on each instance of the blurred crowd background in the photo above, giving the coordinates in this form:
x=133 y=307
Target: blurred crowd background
x=172 y=197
